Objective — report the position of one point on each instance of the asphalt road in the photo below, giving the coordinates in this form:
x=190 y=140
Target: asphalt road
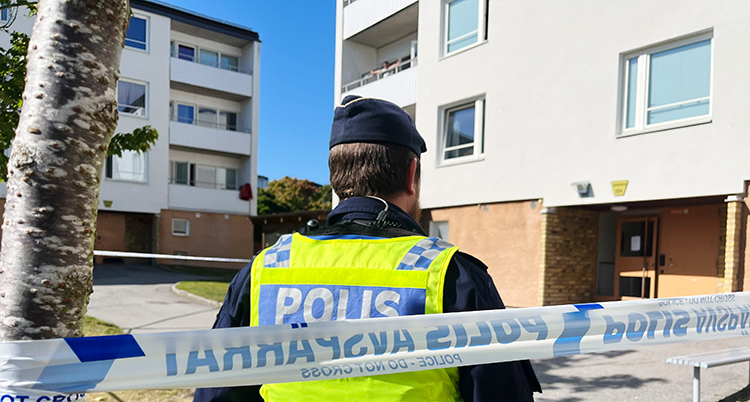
x=139 y=299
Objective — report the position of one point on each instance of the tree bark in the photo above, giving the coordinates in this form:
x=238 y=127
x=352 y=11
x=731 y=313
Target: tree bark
x=69 y=114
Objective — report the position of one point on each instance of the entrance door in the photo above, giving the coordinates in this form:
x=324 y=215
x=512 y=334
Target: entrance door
x=689 y=250
x=635 y=260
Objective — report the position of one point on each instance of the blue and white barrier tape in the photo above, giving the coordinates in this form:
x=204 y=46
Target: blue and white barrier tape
x=61 y=369
x=102 y=253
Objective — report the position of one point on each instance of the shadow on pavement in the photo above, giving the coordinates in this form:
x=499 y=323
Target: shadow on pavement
x=546 y=371
x=742 y=395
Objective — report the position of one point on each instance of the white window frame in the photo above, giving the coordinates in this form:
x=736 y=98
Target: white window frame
x=481 y=28
x=173 y=172
x=644 y=67
x=175 y=45
x=146 y=98
x=435 y=227
x=119 y=180
x=148 y=34
x=196 y=107
x=479 y=127
x=187 y=227
x=176 y=114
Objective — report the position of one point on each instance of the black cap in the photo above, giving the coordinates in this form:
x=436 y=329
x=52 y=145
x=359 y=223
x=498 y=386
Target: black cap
x=374 y=121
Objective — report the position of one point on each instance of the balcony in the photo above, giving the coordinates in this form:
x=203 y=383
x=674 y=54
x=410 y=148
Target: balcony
x=378 y=22
x=207 y=199
x=397 y=83
x=189 y=71
x=212 y=138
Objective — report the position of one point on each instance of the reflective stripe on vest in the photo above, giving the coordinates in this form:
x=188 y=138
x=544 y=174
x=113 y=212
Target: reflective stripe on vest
x=305 y=279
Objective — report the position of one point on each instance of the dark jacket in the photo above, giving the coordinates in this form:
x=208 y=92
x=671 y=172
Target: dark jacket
x=468 y=287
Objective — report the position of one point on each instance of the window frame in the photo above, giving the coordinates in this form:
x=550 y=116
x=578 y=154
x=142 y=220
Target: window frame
x=109 y=169
x=479 y=103
x=481 y=32
x=643 y=57
x=145 y=99
x=175 y=52
x=147 y=34
x=187 y=227
x=175 y=116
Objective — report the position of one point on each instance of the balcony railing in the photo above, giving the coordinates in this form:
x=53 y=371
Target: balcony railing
x=210 y=63
x=203 y=184
x=211 y=124
x=374 y=75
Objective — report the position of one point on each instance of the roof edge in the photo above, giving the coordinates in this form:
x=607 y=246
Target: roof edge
x=195 y=19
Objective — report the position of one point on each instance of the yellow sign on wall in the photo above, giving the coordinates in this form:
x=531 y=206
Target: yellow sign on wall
x=619 y=187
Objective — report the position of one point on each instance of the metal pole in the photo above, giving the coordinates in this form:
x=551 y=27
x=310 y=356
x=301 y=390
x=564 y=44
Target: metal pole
x=696 y=384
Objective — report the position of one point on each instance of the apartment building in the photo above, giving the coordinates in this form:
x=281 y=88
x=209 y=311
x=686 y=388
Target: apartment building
x=585 y=151
x=194 y=79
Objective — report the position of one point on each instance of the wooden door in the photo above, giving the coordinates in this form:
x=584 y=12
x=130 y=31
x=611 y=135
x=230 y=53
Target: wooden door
x=635 y=258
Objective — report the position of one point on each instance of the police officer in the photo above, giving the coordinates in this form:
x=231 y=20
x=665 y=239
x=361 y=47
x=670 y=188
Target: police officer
x=372 y=260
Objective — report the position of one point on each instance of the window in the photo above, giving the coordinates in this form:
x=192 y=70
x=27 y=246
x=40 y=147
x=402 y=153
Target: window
x=230 y=62
x=185 y=52
x=179 y=172
x=464 y=24
x=137 y=33
x=185 y=114
x=439 y=229
x=180 y=227
x=667 y=84
x=131 y=166
x=195 y=175
x=207 y=117
x=209 y=58
x=131 y=98
x=4 y=16
x=228 y=121
x=463 y=131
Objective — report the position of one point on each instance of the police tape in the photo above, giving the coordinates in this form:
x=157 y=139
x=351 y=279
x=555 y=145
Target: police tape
x=102 y=253
x=62 y=369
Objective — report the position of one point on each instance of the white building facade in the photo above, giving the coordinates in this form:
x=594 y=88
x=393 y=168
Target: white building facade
x=584 y=150
x=195 y=80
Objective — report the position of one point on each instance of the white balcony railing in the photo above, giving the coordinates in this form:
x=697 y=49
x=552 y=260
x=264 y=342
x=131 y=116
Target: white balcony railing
x=374 y=75
x=210 y=138
x=359 y=15
x=399 y=88
x=207 y=199
x=217 y=79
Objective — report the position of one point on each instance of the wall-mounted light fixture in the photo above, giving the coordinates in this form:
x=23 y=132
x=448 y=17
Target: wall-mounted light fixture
x=584 y=189
x=619 y=208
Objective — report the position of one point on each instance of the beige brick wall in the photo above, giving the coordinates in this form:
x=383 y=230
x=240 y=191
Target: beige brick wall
x=568 y=264
x=730 y=248
x=211 y=235
x=506 y=237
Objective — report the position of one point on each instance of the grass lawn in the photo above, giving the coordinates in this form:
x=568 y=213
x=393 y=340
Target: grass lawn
x=212 y=290
x=95 y=327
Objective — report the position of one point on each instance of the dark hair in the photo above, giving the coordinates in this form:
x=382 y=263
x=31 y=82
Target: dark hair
x=361 y=169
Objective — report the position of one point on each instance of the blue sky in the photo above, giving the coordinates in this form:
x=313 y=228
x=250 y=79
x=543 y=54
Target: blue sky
x=296 y=80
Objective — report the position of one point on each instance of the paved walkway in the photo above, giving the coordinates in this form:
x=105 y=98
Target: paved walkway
x=138 y=299
x=640 y=375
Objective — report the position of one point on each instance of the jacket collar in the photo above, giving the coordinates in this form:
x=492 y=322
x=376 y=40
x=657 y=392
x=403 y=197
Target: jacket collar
x=368 y=209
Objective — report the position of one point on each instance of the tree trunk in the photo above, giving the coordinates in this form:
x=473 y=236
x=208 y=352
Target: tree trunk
x=69 y=114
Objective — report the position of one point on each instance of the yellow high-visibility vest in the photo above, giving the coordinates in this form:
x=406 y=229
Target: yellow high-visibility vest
x=328 y=278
